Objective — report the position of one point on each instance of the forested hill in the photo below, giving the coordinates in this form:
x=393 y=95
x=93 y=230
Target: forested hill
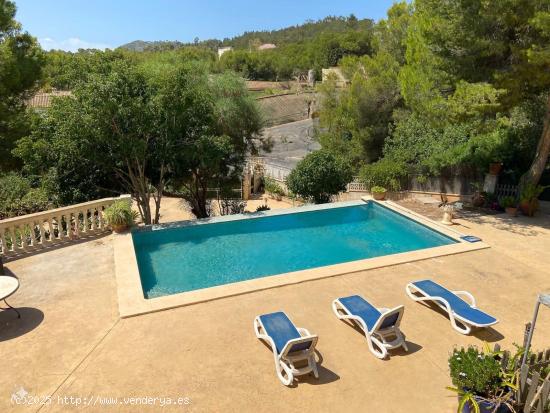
x=293 y=34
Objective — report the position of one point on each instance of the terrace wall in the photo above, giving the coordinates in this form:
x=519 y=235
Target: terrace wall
x=287 y=108
x=28 y=233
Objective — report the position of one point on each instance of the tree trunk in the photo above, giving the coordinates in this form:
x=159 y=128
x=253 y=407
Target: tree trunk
x=157 y=197
x=198 y=190
x=136 y=184
x=144 y=207
x=532 y=176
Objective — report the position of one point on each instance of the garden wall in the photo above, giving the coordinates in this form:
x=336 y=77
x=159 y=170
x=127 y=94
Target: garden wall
x=454 y=185
x=287 y=108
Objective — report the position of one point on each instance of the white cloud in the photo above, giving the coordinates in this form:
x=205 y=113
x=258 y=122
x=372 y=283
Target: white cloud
x=71 y=45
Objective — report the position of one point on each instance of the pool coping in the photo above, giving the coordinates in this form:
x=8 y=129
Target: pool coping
x=131 y=300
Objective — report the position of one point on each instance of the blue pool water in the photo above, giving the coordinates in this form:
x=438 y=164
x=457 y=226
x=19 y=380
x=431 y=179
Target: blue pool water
x=174 y=260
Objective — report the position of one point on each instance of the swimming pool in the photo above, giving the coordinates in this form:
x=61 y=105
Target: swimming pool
x=199 y=254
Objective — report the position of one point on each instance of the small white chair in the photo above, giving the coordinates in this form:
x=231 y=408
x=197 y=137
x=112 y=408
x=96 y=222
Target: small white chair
x=380 y=325
x=290 y=345
x=463 y=316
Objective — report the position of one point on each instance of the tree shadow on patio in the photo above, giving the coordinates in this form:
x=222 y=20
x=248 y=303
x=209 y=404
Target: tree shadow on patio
x=521 y=225
x=12 y=327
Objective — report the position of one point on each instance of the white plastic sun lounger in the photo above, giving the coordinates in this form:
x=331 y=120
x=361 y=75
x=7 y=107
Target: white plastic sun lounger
x=463 y=316
x=290 y=345
x=380 y=325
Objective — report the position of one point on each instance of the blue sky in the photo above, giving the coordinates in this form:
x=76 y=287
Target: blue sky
x=70 y=24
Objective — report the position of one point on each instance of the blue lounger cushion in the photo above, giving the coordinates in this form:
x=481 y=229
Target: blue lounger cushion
x=460 y=307
x=281 y=330
x=359 y=307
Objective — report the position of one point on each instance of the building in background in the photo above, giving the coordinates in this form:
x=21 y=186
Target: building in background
x=336 y=73
x=267 y=46
x=222 y=50
x=43 y=100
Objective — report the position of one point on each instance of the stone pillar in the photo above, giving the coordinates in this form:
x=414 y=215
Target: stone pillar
x=311 y=77
x=490 y=184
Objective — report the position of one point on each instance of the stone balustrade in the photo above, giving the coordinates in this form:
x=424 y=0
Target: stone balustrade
x=357 y=186
x=28 y=233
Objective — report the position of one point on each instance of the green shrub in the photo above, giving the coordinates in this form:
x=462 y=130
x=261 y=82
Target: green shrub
x=18 y=197
x=531 y=192
x=120 y=213
x=386 y=173
x=508 y=202
x=378 y=190
x=231 y=206
x=271 y=186
x=474 y=371
x=319 y=176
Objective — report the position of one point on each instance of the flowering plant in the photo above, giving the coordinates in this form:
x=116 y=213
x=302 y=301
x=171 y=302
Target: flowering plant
x=479 y=376
x=452 y=207
x=471 y=369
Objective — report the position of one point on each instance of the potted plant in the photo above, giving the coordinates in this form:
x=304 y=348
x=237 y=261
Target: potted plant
x=448 y=212
x=483 y=385
x=478 y=197
x=509 y=204
x=120 y=216
x=378 y=193
x=529 y=203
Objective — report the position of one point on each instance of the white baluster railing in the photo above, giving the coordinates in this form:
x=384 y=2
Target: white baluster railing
x=30 y=232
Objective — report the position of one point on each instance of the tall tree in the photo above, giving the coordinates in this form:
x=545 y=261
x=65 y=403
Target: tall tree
x=147 y=128
x=457 y=51
x=213 y=123
x=21 y=62
x=357 y=119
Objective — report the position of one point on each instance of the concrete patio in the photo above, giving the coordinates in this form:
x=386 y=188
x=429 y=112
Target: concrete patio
x=70 y=341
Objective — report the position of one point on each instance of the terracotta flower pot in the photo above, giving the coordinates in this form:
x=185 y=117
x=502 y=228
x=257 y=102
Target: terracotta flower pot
x=512 y=211
x=529 y=207
x=478 y=200
x=495 y=168
x=379 y=196
x=119 y=228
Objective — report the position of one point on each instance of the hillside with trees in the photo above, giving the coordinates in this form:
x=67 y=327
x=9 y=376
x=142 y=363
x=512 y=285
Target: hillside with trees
x=447 y=91
x=436 y=89
x=312 y=45
x=281 y=37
